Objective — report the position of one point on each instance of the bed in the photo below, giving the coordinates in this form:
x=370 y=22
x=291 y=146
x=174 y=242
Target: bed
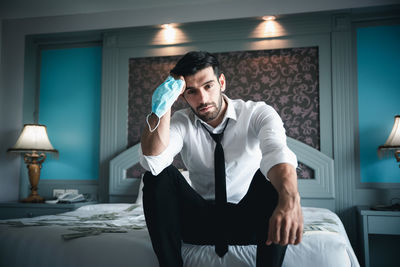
x=115 y=234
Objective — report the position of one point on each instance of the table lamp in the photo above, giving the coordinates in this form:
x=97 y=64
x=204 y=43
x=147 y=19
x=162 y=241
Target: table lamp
x=33 y=142
x=392 y=144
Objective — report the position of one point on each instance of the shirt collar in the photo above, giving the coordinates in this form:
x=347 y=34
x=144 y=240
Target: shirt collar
x=230 y=113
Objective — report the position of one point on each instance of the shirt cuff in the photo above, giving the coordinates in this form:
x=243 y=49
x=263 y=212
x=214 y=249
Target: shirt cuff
x=154 y=164
x=284 y=155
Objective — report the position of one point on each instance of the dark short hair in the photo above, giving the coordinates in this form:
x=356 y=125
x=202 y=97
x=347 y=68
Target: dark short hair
x=195 y=61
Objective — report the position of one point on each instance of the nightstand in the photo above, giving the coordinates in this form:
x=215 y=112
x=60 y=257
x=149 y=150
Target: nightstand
x=378 y=223
x=11 y=210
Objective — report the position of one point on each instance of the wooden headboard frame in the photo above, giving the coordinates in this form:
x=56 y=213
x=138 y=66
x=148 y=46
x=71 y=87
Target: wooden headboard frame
x=125 y=189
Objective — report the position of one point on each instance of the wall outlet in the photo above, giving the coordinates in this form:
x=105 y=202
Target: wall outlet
x=75 y=191
x=58 y=192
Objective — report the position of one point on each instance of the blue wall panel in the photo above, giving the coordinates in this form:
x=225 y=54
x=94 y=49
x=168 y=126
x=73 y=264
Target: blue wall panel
x=70 y=88
x=378 y=59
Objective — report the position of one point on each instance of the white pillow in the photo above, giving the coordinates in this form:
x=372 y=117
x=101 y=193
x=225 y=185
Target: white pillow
x=139 y=199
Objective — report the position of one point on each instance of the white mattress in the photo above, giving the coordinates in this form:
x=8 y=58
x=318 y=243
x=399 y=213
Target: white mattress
x=115 y=235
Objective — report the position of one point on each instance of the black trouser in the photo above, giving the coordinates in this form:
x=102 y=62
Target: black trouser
x=174 y=212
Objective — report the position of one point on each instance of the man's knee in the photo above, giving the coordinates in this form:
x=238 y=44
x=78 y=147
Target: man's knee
x=162 y=181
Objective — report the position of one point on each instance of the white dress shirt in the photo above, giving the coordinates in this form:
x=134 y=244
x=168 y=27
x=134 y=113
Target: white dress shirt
x=253 y=139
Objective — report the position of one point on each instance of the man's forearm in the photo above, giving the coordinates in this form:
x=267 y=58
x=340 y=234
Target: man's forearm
x=286 y=223
x=154 y=143
x=284 y=178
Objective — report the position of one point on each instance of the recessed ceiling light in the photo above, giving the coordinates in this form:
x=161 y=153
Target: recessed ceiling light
x=269 y=18
x=166 y=26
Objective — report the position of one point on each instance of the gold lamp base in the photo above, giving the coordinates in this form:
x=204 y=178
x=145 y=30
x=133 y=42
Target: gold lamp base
x=34 y=164
x=33 y=199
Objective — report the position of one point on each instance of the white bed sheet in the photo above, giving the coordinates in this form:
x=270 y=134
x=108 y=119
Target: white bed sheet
x=325 y=242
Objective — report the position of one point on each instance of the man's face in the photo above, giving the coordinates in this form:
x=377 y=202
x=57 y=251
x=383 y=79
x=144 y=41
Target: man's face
x=203 y=93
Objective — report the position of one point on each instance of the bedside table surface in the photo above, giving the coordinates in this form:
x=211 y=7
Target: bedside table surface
x=366 y=210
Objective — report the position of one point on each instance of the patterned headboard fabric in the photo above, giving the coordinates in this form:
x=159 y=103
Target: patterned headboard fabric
x=287 y=79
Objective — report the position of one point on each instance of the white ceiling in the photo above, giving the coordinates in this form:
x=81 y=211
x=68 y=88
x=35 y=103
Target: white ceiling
x=39 y=8
x=15 y=9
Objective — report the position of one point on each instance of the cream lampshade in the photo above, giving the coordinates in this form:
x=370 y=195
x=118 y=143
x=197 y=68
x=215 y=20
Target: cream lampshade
x=392 y=144
x=33 y=141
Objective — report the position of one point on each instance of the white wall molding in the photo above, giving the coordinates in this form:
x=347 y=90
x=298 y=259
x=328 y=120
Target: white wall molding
x=109 y=118
x=344 y=120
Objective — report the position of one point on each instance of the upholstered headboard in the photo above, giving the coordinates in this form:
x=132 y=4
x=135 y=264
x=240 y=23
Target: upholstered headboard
x=125 y=189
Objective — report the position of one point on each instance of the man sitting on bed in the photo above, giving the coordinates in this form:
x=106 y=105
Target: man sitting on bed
x=244 y=188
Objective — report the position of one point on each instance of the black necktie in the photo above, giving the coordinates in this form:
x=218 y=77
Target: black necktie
x=221 y=245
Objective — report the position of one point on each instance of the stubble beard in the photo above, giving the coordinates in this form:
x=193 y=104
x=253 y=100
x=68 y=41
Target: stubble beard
x=211 y=115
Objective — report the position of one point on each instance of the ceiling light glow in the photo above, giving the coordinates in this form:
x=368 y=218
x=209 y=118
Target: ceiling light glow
x=169 y=33
x=269 y=18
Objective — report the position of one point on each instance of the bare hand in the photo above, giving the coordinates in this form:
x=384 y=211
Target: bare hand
x=286 y=222
x=184 y=84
